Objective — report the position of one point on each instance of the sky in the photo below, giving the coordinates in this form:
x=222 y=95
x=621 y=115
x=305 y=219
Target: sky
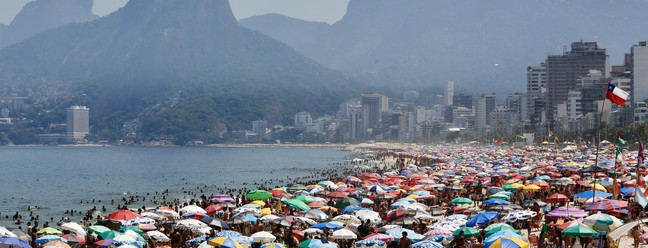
x=312 y=10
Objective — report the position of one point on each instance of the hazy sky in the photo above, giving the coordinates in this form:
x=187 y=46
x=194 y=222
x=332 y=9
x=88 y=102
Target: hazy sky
x=313 y=10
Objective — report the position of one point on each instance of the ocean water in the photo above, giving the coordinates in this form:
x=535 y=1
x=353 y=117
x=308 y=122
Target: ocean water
x=61 y=178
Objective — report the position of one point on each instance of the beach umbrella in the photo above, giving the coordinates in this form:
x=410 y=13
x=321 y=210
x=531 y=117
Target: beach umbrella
x=263 y=237
x=296 y=204
x=168 y=212
x=123 y=215
x=344 y=234
x=317 y=243
x=352 y=208
x=315 y=214
x=273 y=245
x=579 y=230
x=592 y=193
x=502 y=233
x=509 y=187
x=192 y=209
x=496 y=202
x=598 y=187
x=325 y=226
x=74 y=238
x=482 y=219
x=13 y=242
x=467 y=231
x=224 y=242
x=258 y=195
x=190 y=224
x=531 y=187
x=222 y=198
x=49 y=230
x=379 y=236
x=73 y=227
x=427 y=244
x=566 y=212
x=397 y=233
x=132 y=228
x=20 y=234
x=4 y=232
x=508 y=242
x=109 y=234
x=602 y=222
x=158 y=236
x=370 y=243
x=347 y=219
x=368 y=215
x=604 y=205
x=337 y=194
x=48 y=238
x=499 y=196
x=296 y=187
x=557 y=198
x=305 y=198
x=462 y=200
x=342 y=203
x=56 y=244
x=97 y=229
x=493 y=228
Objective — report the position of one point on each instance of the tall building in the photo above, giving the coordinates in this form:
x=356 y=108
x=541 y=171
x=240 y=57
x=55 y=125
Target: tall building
x=259 y=128
x=536 y=87
x=302 y=120
x=639 y=67
x=448 y=93
x=78 y=123
x=356 y=132
x=462 y=100
x=484 y=106
x=563 y=72
x=372 y=106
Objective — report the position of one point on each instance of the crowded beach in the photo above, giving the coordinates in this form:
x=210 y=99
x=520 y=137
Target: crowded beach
x=402 y=196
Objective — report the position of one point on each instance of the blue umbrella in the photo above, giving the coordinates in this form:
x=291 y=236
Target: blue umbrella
x=502 y=233
x=352 y=208
x=482 y=219
x=397 y=233
x=48 y=238
x=228 y=234
x=626 y=191
x=369 y=243
x=273 y=245
x=196 y=241
x=326 y=226
x=13 y=242
x=592 y=193
x=426 y=244
x=496 y=202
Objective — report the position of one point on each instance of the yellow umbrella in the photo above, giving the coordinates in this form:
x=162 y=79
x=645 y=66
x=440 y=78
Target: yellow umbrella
x=266 y=211
x=598 y=187
x=413 y=196
x=260 y=203
x=512 y=180
x=531 y=187
x=218 y=242
x=517 y=185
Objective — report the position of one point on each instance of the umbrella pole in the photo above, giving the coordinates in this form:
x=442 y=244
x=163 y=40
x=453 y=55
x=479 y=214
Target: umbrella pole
x=598 y=144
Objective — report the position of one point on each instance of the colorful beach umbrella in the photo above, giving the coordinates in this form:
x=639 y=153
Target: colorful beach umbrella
x=493 y=228
x=579 y=230
x=258 y=195
x=467 y=232
x=13 y=242
x=462 y=200
x=317 y=243
x=296 y=204
x=508 y=242
x=123 y=215
x=345 y=202
x=224 y=242
x=273 y=245
x=49 y=230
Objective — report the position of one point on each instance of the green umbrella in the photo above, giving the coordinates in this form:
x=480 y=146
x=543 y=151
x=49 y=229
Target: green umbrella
x=296 y=187
x=305 y=198
x=297 y=204
x=468 y=232
x=258 y=195
x=49 y=230
x=462 y=200
x=579 y=230
x=132 y=228
x=499 y=227
x=345 y=202
x=97 y=229
x=109 y=234
x=499 y=196
x=509 y=187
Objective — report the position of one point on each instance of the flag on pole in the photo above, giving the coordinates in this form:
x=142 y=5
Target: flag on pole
x=620 y=141
x=616 y=95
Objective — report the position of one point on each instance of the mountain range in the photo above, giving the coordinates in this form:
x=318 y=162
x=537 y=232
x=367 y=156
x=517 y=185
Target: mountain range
x=175 y=69
x=481 y=45
x=41 y=15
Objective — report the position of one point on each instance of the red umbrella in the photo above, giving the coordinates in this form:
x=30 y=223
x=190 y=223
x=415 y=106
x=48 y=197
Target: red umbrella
x=315 y=204
x=212 y=209
x=299 y=234
x=123 y=215
x=557 y=198
x=337 y=194
x=73 y=238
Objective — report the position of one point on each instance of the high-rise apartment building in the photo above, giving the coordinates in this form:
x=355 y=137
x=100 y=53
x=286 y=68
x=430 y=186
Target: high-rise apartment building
x=302 y=120
x=536 y=88
x=484 y=106
x=78 y=123
x=372 y=106
x=639 y=67
x=563 y=72
x=448 y=93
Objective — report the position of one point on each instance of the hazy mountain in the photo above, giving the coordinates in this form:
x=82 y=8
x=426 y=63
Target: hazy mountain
x=294 y=32
x=41 y=15
x=482 y=45
x=175 y=66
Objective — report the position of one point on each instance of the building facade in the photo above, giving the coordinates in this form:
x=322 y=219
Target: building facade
x=78 y=123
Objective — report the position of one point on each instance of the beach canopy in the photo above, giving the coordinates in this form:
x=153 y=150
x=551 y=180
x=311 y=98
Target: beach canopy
x=482 y=219
x=258 y=195
x=579 y=230
x=13 y=242
x=317 y=243
x=508 y=242
x=592 y=193
x=566 y=212
x=496 y=202
x=123 y=215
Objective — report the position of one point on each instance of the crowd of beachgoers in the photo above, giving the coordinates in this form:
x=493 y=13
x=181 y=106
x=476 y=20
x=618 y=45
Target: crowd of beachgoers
x=457 y=195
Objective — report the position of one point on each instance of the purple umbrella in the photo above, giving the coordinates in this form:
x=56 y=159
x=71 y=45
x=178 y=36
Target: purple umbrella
x=222 y=198
x=565 y=212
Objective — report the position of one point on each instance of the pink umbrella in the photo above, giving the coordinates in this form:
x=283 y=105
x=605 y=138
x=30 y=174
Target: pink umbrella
x=380 y=236
x=566 y=212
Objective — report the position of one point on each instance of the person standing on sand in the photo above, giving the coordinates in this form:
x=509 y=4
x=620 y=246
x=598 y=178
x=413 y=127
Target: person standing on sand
x=636 y=232
x=404 y=242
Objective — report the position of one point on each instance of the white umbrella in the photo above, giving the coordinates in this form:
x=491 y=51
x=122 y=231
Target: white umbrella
x=4 y=232
x=124 y=238
x=347 y=219
x=191 y=209
x=137 y=221
x=74 y=227
x=306 y=220
x=191 y=224
x=263 y=237
x=269 y=217
x=168 y=212
x=205 y=245
x=312 y=230
x=344 y=234
x=366 y=201
x=158 y=236
x=152 y=215
x=368 y=215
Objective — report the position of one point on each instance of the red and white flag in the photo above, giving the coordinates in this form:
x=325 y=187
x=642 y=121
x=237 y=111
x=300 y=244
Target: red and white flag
x=616 y=95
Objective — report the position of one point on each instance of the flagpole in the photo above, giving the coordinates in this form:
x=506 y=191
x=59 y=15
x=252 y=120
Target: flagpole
x=598 y=130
